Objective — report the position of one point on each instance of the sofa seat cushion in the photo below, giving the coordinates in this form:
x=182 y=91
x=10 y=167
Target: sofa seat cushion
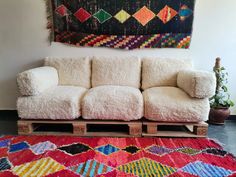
x=171 y=104
x=61 y=102
x=113 y=103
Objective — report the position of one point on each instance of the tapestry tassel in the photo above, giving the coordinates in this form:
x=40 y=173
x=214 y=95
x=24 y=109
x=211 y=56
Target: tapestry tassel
x=49 y=20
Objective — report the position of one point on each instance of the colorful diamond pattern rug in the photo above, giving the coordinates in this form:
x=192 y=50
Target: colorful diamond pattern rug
x=122 y=24
x=60 y=156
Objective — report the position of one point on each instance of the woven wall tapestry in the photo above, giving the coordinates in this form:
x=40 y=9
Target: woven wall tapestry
x=124 y=24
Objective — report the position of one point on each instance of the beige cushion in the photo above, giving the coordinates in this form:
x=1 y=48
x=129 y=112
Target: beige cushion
x=116 y=71
x=61 y=102
x=171 y=104
x=36 y=81
x=198 y=84
x=113 y=103
x=72 y=71
x=162 y=72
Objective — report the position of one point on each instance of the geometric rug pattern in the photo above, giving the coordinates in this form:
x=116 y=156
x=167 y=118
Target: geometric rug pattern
x=122 y=24
x=61 y=156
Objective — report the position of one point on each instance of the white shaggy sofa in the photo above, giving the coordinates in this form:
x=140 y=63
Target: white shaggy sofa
x=106 y=88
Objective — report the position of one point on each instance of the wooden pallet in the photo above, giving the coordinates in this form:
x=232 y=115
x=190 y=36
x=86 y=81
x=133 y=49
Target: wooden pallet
x=79 y=128
x=187 y=129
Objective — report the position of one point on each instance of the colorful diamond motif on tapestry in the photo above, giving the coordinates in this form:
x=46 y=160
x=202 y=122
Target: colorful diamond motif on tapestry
x=202 y=169
x=91 y=168
x=75 y=148
x=42 y=147
x=39 y=168
x=131 y=149
x=185 y=12
x=4 y=164
x=122 y=16
x=144 y=15
x=62 y=10
x=158 y=150
x=166 y=14
x=108 y=149
x=146 y=167
x=82 y=15
x=189 y=151
x=102 y=16
x=215 y=151
x=18 y=147
x=4 y=143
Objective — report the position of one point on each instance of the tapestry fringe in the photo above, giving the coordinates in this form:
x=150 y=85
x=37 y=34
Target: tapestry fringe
x=49 y=20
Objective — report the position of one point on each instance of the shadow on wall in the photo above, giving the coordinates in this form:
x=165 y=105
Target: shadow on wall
x=32 y=65
x=9 y=86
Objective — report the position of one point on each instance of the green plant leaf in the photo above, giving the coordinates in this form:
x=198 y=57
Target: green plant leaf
x=221 y=97
x=231 y=103
x=224 y=88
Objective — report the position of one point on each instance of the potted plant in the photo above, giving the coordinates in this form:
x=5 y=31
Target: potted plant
x=220 y=102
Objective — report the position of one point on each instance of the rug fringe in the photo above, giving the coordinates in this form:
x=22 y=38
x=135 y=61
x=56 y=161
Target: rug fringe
x=49 y=20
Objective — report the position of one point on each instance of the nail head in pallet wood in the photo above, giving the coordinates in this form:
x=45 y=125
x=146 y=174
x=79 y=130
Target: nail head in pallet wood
x=196 y=129
x=26 y=127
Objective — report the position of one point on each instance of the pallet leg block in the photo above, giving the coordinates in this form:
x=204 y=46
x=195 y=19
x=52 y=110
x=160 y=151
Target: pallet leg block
x=135 y=130
x=24 y=128
x=152 y=129
x=200 y=130
x=79 y=129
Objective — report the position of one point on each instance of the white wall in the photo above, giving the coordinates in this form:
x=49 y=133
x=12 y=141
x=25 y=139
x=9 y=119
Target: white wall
x=23 y=42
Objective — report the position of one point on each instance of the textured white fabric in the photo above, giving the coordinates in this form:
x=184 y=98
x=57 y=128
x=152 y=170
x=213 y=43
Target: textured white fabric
x=61 y=102
x=35 y=81
x=116 y=71
x=198 y=84
x=171 y=104
x=113 y=103
x=162 y=72
x=72 y=71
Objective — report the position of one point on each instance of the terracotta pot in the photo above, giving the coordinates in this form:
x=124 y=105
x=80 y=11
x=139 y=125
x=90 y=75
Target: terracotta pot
x=218 y=115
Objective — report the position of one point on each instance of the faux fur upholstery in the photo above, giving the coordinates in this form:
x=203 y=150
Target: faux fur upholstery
x=61 y=102
x=36 y=81
x=198 y=84
x=72 y=71
x=113 y=103
x=116 y=71
x=171 y=104
x=162 y=72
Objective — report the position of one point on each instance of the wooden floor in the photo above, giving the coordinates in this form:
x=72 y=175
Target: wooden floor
x=92 y=128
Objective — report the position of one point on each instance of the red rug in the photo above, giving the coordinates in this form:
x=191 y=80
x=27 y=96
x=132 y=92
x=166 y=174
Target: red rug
x=62 y=156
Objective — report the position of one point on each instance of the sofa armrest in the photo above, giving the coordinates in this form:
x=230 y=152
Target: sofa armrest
x=198 y=84
x=35 y=81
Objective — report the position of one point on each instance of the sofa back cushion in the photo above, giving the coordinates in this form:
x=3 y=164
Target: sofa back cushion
x=72 y=71
x=158 y=72
x=124 y=71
